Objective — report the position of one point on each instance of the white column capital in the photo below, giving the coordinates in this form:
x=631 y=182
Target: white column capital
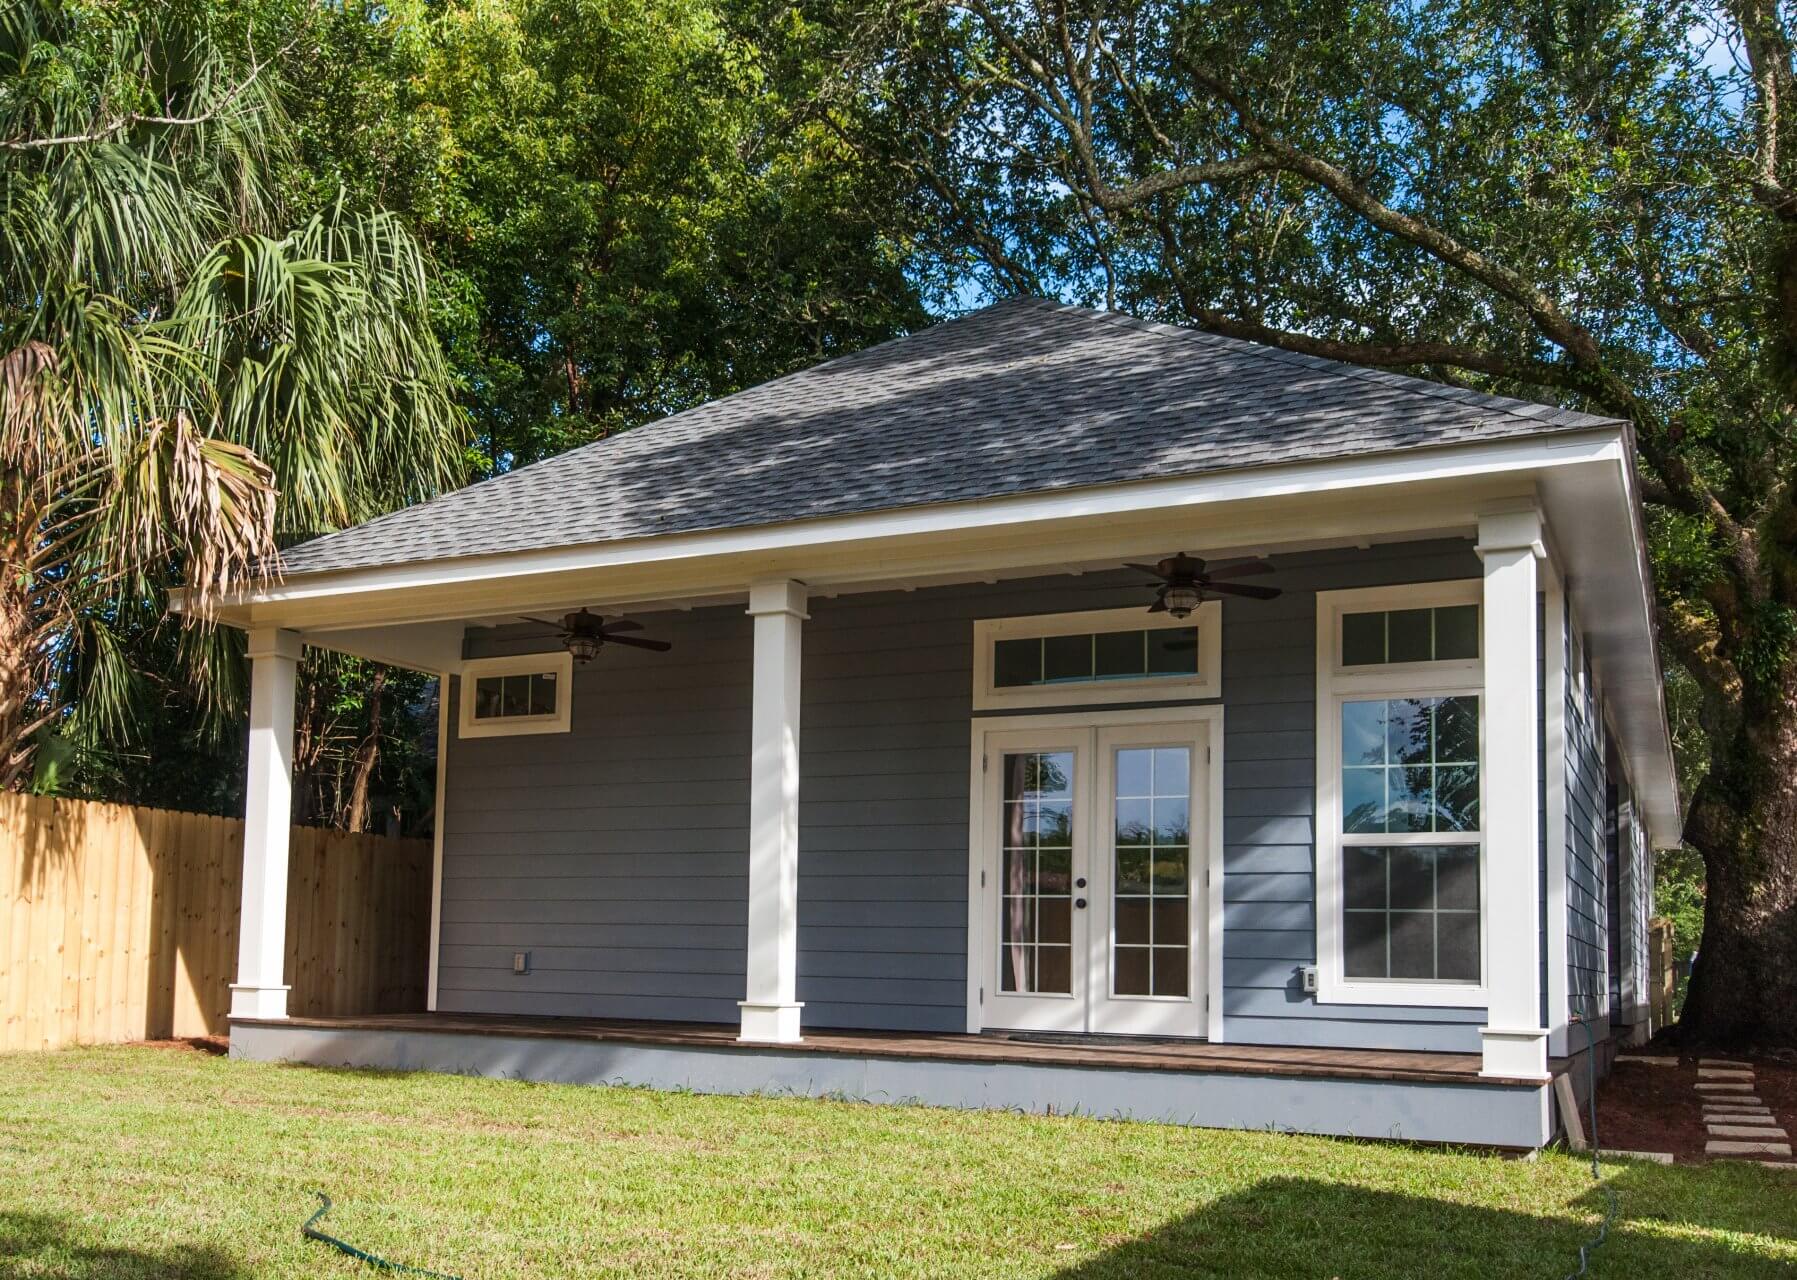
x=274 y=642
x=778 y=595
x=1511 y=527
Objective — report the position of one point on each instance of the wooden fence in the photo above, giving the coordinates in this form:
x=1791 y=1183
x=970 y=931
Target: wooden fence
x=1660 y=977
x=121 y=924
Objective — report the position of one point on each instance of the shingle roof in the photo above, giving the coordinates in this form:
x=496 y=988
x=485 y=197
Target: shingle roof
x=1022 y=397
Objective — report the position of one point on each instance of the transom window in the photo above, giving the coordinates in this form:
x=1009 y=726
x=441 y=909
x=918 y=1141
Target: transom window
x=1106 y=655
x=1400 y=855
x=1384 y=636
x=1102 y=655
x=529 y=693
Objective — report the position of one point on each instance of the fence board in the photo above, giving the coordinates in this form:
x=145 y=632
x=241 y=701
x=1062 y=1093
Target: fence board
x=121 y=924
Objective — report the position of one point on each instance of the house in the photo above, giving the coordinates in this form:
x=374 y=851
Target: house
x=1332 y=815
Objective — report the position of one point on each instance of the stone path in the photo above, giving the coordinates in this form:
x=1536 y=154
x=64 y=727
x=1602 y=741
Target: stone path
x=1740 y=1125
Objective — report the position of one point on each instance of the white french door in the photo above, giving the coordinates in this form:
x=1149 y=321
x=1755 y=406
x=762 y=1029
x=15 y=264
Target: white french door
x=1092 y=844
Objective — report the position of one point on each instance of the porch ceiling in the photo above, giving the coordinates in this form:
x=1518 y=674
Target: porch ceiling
x=415 y=614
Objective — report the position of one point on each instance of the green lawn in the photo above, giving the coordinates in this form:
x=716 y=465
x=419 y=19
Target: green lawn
x=150 y=1162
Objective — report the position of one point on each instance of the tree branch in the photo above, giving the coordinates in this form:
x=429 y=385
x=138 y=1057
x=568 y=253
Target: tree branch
x=132 y=119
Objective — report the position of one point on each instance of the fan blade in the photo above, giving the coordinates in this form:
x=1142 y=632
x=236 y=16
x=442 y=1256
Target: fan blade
x=542 y=622
x=1240 y=569
x=1243 y=589
x=622 y=624
x=1159 y=606
x=637 y=642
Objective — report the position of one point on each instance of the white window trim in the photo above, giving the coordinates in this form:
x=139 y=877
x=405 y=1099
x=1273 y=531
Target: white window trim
x=1207 y=683
x=562 y=664
x=1336 y=684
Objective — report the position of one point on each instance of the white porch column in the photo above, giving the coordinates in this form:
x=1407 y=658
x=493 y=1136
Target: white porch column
x=1515 y=1042
x=267 y=819
x=771 y=1011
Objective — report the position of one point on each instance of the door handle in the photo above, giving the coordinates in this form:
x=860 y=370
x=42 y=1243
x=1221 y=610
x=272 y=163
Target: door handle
x=1080 y=883
x=1080 y=903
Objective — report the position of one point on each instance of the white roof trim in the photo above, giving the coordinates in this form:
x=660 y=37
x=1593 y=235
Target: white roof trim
x=1332 y=475
x=1584 y=480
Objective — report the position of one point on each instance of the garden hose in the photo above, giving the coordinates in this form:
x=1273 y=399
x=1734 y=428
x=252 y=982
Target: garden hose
x=311 y=1232
x=1603 y=1228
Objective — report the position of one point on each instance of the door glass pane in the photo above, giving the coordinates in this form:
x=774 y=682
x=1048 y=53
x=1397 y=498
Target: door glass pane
x=1151 y=887
x=1036 y=902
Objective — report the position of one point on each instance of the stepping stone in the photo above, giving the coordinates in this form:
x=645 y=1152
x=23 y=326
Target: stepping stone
x=1756 y=1132
x=1717 y=1147
x=1778 y=1164
x=1723 y=1062
x=1725 y=1118
x=1722 y=1073
x=1646 y=1060
x=1657 y=1157
x=1745 y=1103
x=1720 y=1086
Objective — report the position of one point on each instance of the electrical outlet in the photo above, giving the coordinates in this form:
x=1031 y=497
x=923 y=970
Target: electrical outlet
x=520 y=962
x=1310 y=978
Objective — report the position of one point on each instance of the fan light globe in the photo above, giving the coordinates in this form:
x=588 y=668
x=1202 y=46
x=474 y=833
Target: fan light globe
x=584 y=647
x=1181 y=599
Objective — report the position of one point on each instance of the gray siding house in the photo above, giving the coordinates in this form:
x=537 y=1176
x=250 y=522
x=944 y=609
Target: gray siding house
x=1049 y=710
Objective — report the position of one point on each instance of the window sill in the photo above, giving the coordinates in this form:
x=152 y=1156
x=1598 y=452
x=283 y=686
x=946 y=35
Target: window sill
x=1421 y=995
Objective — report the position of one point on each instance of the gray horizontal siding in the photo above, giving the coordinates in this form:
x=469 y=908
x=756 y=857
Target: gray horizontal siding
x=1269 y=802
x=1587 y=923
x=617 y=853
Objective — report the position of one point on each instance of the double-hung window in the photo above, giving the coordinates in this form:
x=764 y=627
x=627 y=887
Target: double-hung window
x=1400 y=779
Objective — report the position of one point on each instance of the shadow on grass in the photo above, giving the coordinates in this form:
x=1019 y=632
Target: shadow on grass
x=1298 y=1227
x=36 y=1244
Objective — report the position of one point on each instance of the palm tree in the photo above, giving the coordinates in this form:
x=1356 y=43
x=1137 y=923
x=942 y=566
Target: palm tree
x=182 y=382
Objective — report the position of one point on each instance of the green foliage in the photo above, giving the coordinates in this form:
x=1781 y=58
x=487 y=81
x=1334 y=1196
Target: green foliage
x=608 y=211
x=189 y=365
x=630 y=201
x=1678 y=895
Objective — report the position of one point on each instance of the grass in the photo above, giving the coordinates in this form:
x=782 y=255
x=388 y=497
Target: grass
x=139 y=1162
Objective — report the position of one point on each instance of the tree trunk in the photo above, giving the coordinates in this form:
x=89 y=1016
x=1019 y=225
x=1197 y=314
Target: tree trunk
x=21 y=664
x=1743 y=821
x=368 y=755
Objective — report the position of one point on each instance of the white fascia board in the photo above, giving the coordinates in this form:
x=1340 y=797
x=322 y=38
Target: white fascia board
x=1607 y=582
x=1451 y=463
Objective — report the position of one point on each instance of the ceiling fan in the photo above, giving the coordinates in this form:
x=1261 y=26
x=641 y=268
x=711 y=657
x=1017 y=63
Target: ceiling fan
x=584 y=634
x=1186 y=582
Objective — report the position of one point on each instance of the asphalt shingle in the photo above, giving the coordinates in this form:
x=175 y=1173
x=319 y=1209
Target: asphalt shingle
x=1026 y=396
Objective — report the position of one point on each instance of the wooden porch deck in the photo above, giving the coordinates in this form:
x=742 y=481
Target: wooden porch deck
x=991 y=1047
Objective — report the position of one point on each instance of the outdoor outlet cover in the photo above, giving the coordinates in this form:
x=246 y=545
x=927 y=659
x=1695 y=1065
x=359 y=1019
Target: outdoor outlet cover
x=520 y=962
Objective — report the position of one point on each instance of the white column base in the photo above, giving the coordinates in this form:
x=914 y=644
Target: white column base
x=1520 y=1052
x=770 y=1023
x=258 y=1002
